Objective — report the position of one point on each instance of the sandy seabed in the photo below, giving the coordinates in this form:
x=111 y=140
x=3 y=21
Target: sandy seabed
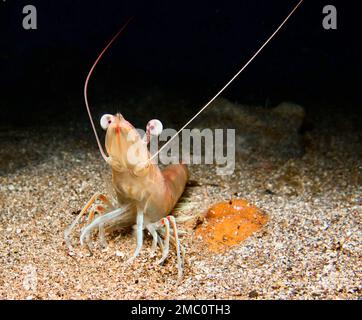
x=310 y=248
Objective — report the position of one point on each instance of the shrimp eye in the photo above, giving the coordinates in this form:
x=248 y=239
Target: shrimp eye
x=106 y=120
x=154 y=127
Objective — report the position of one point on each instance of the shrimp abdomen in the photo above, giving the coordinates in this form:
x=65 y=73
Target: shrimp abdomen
x=175 y=177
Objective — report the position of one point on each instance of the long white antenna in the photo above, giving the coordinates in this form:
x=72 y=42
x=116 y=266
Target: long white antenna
x=86 y=87
x=231 y=80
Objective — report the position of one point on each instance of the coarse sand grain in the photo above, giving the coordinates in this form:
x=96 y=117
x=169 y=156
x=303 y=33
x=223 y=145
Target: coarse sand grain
x=310 y=247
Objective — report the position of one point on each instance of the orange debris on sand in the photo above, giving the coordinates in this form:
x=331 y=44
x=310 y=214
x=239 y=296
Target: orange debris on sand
x=229 y=223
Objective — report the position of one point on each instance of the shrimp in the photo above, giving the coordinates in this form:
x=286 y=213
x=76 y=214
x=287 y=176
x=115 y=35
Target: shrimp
x=145 y=194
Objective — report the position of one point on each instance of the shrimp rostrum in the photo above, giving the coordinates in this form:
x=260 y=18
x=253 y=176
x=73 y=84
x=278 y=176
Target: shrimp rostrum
x=145 y=195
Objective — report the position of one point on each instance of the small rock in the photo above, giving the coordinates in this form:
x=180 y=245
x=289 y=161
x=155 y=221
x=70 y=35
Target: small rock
x=119 y=254
x=253 y=294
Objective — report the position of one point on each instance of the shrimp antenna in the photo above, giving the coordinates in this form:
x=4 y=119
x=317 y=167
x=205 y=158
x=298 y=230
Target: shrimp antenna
x=231 y=80
x=86 y=87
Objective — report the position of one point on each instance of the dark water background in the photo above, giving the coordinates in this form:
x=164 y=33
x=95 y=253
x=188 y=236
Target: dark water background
x=175 y=51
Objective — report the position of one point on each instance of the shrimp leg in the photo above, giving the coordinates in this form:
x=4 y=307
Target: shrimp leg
x=154 y=235
x=139 y=235
x=165 y=251
x=175 y=241
x=96 y=196
x=172 y=240
x=101 y=230
x=165 y=244
x=177 y=244
x=101 y=221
